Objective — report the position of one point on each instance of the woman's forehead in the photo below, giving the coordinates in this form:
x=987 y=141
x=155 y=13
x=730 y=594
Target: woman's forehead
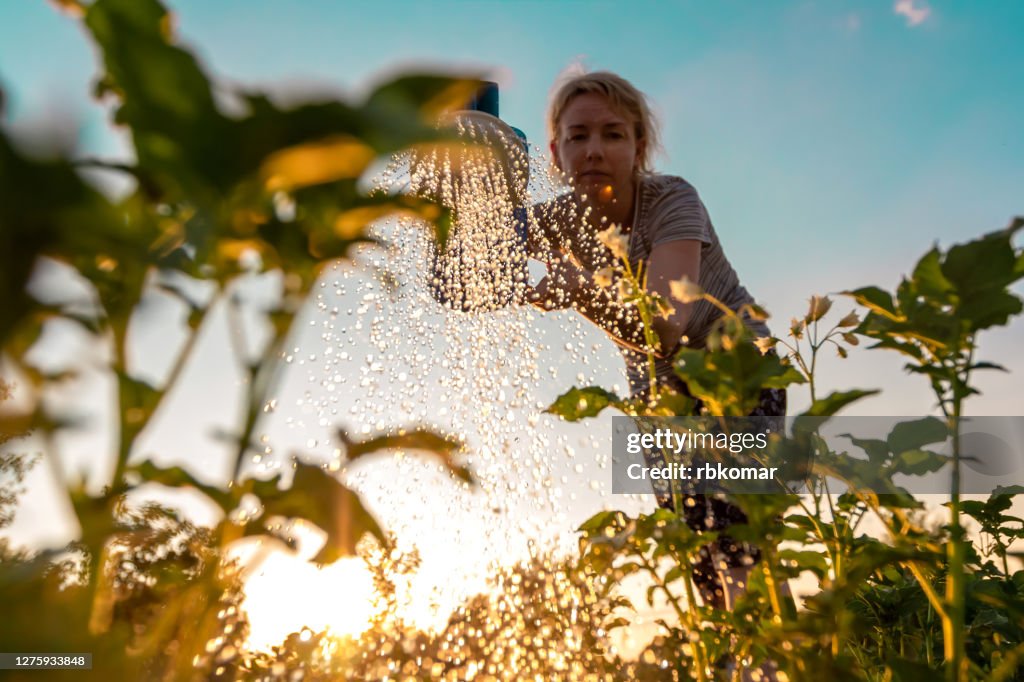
x=590 y=109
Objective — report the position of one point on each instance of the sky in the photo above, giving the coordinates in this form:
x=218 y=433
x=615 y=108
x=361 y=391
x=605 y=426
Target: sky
x=832 y=142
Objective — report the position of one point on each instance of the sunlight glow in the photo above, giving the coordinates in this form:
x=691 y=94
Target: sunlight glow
x=287 y=594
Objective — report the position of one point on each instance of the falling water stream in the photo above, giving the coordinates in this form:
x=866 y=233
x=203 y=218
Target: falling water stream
x=407 y=336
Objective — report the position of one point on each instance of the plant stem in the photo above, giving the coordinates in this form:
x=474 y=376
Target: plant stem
x=687 y=616
x=263 y=377
x=953 y=624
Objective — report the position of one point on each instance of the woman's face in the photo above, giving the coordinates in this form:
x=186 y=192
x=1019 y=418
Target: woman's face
x=597 y=149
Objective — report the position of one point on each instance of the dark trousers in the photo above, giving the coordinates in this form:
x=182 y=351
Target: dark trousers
x=707 y=512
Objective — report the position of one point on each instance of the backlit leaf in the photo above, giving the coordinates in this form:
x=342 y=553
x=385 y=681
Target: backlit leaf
x=318 y=162
x=316 y=496
x=436 y=444
x=580 y=403
x=836 y=401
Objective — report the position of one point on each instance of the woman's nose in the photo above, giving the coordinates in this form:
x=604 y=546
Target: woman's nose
x=594 y=149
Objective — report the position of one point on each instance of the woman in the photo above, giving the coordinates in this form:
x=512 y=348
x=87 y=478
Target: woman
x=602 y=137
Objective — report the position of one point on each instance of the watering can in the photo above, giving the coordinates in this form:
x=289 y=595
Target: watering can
x=483 y=265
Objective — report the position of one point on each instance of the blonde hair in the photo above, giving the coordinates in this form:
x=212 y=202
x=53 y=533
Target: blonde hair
x=622 y=95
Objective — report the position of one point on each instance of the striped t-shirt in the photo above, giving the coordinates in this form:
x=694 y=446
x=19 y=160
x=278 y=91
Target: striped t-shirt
x=668 y=209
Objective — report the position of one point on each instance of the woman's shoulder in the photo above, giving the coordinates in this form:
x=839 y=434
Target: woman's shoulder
x=671 y=210
x=667 y=195
x=656 y=186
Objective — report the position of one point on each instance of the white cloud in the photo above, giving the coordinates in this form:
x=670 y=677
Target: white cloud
x=916 y=11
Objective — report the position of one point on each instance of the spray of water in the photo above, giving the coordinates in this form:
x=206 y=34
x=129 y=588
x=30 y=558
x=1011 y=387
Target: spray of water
x=416 y=334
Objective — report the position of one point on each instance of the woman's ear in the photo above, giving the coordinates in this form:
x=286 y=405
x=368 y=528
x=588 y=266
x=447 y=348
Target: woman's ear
x=553 y=146
x=641 y=149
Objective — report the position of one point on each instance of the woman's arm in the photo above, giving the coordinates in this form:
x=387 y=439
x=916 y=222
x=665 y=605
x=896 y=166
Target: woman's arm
x=569 y=284
x=671 y=262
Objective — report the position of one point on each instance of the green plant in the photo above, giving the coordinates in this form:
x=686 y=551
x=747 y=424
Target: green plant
x=934 y=319
x=216 y=197
x=879 y=613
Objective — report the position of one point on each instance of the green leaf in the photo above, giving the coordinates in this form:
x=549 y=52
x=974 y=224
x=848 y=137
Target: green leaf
x=888 y=342
x=443 y=447
x=913 y=435
x=906 y=670
x=835 y=401
x=627 y=569
x=674 y=573
x=166 y=98
x=919 y=462
x=877 y=450
x=730 y=375
x=319 y=498
x=982 y=265
x=805 y=560
x=988 y=365
x=988 y=309
x=177 y=477
x=354 y=221
x=667 y=403
x=617 y=623
x=989 y=618
x=601 y=520
x=43 y=206
x=899 y=500
x=928 y=279
x=581 y=403
x=428 y=95
x=876 y=300
x=137 y=400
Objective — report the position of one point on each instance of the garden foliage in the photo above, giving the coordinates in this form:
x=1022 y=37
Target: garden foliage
x=218 y=194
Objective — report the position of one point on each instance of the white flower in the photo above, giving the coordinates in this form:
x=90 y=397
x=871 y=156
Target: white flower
x=616 y=242
x=685 y=290
x=765 y=343
x=603 y=277
x=819 y=306
x=850 y=320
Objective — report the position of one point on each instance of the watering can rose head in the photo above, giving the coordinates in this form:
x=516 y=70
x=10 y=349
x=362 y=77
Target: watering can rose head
x=482 y=146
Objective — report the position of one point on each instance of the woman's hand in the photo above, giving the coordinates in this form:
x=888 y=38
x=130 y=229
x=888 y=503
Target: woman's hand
x=569 y=285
